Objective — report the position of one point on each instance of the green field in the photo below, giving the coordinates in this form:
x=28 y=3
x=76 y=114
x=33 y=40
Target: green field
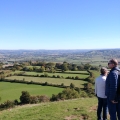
x=33 y=66
x=76 y=72
x=62 y=110
x=11 y=91
x=57 y=81
x=66 y=74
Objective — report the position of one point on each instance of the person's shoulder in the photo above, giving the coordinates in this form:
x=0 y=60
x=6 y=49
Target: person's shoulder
x=114 y=72
x=96 y=78
x=99 y=77
x=104 y=77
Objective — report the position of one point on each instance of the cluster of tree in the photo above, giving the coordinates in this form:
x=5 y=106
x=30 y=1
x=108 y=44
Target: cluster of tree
x=1 y=64
x=7 y=104
x=74 y=67
x=26 y=98
x=73 y=92
x=91 y=78
x=2 y=76
x=66 y=94
x=88 y=87
x=50 y=67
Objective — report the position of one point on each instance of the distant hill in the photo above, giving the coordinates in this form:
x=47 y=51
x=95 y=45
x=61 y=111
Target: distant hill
x=107 y=53
x=72 y=56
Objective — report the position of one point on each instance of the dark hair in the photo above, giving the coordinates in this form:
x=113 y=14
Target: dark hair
x=103 y=70
x=114 y=61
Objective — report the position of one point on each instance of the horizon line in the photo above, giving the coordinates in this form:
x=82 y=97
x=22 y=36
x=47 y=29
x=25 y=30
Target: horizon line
x=65 y=49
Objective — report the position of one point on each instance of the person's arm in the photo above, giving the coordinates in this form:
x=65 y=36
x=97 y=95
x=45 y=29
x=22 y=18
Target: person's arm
x=95 y=88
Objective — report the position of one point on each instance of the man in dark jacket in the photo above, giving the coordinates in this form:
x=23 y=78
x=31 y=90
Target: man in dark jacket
x=111 y=89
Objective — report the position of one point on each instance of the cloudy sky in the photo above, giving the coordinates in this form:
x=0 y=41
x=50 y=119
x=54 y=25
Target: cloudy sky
x=59 y=24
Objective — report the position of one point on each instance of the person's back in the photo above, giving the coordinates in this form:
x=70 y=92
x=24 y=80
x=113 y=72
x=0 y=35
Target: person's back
x=100 y=93
x=100 y=86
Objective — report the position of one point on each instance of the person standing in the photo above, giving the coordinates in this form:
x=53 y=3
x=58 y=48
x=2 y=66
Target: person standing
x=111 y=90
x=100 y=93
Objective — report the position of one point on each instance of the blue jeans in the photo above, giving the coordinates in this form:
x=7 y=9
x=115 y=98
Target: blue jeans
x=114 y=110
x=102 y=105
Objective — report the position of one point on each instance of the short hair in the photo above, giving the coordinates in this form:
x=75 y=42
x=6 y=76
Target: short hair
x=114 y=61
x=103 y=70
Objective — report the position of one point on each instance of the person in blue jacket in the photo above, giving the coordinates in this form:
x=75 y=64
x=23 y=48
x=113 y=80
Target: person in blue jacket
x=111 y=90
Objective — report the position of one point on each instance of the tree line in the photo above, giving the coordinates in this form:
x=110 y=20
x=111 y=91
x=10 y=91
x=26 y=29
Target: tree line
x=49 y=67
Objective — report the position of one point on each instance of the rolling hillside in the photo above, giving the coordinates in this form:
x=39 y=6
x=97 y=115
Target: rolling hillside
x=76 y=109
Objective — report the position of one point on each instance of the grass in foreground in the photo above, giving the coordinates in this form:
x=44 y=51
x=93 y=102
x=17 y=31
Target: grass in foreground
x=62 y=110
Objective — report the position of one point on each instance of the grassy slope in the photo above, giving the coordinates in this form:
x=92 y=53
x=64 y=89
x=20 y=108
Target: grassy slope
x=11 y=91
x=62 y=110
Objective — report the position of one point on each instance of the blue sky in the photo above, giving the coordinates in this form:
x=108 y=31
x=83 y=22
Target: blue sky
x=59 y=24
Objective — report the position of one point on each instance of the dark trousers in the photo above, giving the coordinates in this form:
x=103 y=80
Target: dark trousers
x=102 y=106
x=114 y=110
